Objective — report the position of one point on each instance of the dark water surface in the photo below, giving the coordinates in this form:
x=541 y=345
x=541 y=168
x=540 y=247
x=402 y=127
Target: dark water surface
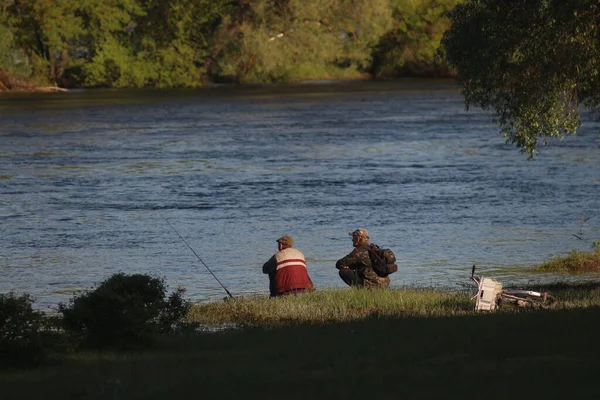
x=87 y=179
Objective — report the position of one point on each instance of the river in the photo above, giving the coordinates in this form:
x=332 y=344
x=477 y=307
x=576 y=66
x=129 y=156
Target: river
x=92 y=180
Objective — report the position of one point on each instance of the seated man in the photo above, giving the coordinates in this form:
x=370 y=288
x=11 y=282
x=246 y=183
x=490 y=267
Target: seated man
x=287 y=270
x=355 y=268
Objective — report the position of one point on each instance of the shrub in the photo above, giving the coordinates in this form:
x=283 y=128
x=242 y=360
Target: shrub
x=124 y=311
x=20 y=331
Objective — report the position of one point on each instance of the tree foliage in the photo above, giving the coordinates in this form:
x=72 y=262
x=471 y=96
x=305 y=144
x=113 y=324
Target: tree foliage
x=531 y=61
x=410 y=47
x=42 y=30
x=281 y=40
x=124 y=311
x=12 y=60
x=184 y=43
x=20 y=331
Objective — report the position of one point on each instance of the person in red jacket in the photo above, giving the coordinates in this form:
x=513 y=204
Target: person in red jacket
x=287 y=270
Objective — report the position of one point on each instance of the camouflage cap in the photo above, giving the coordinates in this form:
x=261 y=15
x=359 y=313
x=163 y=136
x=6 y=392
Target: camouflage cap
x=286 y=241
x=361 y=232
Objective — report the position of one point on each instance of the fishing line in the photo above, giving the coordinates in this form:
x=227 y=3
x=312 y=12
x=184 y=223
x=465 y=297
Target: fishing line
x=197 y=256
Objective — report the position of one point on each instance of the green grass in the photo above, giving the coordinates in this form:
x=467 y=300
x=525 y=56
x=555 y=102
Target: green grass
x=331 y=305
x=573 y=295
x=575 y=262
x=414 y=344
x=343 y=305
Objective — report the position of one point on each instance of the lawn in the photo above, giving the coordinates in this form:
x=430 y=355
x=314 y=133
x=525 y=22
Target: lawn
x=409 y=343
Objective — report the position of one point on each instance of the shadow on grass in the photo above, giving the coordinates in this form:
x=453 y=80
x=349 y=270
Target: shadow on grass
x=548 y=353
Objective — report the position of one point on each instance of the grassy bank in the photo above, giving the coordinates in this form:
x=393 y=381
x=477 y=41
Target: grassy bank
x=343 y=305
x=330 y=306
x=414 y=344
x=575 y=262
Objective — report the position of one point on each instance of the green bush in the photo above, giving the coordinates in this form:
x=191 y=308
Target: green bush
x=20 y=331
x=124 y=312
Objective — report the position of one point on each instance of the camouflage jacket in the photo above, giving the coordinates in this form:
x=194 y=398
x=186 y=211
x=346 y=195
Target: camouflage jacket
x=359 y=261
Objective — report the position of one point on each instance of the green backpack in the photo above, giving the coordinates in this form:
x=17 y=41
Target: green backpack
x=383 y=261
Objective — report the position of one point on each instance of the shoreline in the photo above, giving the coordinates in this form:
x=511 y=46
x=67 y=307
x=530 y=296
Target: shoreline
x=27 y=88
x=40 y=89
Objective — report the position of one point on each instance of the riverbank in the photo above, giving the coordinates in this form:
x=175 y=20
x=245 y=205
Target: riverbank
x=11 y=84
x=36 y=89
x=332 y=306
x=417 y=352
x=575 y=262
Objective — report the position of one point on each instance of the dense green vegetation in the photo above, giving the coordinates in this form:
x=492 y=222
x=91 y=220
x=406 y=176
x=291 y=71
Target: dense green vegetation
x=123 y=312
x=575 y=262
x=20 y=331
x=533 y=62
x=385 y=344
x=186 y=43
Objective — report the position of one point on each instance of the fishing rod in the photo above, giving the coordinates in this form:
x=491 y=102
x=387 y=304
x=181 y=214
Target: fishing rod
x=197 y=256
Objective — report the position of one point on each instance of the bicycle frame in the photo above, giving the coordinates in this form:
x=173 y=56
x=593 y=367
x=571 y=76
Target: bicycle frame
x=490 y=294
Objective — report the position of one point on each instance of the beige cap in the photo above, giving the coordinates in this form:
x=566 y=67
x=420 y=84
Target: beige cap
x=286 y=241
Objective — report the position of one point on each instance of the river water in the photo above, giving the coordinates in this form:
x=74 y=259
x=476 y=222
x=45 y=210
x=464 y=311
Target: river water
x=90 y=182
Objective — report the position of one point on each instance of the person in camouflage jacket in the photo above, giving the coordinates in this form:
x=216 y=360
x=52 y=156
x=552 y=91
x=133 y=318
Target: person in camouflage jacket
x=355 y=268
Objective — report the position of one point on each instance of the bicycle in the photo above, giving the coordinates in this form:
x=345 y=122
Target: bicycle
x=491 y=295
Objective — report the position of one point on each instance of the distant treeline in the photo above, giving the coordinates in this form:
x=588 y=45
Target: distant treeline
x=187 y=43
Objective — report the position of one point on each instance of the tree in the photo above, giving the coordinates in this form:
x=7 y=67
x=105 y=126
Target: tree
x=60 y=37
x=103 y=46
x=531 y=61
x=410 y=47
x=43 y=30
x=20 y=331
x=124 y=311
x=175 y=38
x=281 y=40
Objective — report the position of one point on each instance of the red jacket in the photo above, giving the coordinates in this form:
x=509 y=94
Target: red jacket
x=289 y=267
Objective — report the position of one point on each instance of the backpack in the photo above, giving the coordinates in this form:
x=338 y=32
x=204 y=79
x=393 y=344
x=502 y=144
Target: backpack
x=383 y=261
